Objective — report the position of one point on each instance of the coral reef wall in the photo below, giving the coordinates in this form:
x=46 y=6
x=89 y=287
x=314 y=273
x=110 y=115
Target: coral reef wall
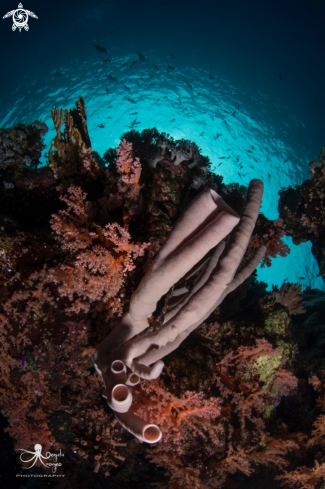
x=243 y=397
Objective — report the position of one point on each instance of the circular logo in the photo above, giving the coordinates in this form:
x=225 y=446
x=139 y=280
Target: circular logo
x=20 y=18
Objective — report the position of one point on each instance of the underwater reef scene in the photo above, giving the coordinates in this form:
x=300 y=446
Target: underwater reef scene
x=239 y=402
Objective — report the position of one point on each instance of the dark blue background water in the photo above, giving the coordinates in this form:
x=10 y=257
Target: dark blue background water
x=252 y=71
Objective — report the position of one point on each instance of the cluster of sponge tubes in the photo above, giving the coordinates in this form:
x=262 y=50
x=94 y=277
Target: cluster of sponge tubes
x=119 y=398
x=197 y=240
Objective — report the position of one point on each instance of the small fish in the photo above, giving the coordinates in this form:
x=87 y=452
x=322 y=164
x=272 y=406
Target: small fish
x=212 y=117
x=211 y=76
x=218 y=135
x=267 y=159
x=171 y=54
x=101 y=126
x=58 y=73
x=280 y=77
x=269 y=175
x=252 y=117
x=248 y=151
x=127 y=88
x=133 y=113
x=233 y=114
x=189 y=84
x=130 y=100
x=302 y=278
x=106 y=59
x=228 y=157
x=237 y=107
x=170 y=67
x=304 y=306
x=252 y=146
x=198 y=94
x=239 y=174
x=133 y=63
x=220 y=164
x=141 y=56
x=226 y=111
x=155 y=66
x=172 y=120
x=100 y=48
x=255 y=159
x=222 y=157
x=23 y=360
x=285 y=161
x=113 y=78
x=107 y=91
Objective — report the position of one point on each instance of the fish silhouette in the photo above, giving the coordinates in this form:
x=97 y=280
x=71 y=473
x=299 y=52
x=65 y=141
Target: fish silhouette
x=141 y=56
x=100 y=48
x=113 y=78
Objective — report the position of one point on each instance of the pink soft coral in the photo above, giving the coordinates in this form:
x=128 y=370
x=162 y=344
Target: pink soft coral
x=129 y=169
x=94 y=275
x=70 y=225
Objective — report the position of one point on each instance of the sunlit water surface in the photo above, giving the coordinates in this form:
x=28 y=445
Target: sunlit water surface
x=234 y=127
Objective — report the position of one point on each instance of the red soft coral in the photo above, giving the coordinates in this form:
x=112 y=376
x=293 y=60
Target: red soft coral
x=273 y=242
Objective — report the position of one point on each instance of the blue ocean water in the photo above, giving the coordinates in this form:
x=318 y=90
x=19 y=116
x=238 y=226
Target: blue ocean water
x=242 y=80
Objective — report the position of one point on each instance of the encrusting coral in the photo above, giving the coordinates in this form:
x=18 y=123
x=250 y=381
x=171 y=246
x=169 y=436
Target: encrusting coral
x=78 y=248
